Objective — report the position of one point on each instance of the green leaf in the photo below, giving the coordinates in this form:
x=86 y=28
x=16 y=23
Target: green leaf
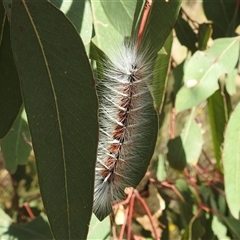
x=233 y=225
x=161 y=169
x=185 y=34
x=10 y=94
x=15 y=145
x=176 y=155
x=5 y=222
x=160 y=73
x=38 y=228
x=221 y=13
x=195 y=229
x=231 y=162
x=61 y=105
x=204 y=33
x=7 y=4
x=219 y=229
x=231 y=82
x=185 y=206
x=187 y=147
x=164 y=14
x=218 y=117
x=120 y=14
x=98 y=230
x=192 y=139
x=204 y=69
x=107 y=38
x=80 y=14
x=178 y=73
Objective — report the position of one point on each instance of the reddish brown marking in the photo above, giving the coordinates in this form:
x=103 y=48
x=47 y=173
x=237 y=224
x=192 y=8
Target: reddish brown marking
x=105 y=173
x=114 y=148
x=118 y=132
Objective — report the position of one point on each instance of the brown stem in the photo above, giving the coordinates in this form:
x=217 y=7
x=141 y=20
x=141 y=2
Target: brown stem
x=29 y=211
x=124 y=202
x=148 y=213
x=146 y=11
x=124 y=224
x=130 y=214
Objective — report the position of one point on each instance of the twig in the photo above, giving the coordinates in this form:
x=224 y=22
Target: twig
x=146 y=11
x=130 y=214
x=124 y=224
x=29 y=211
x=148 y=213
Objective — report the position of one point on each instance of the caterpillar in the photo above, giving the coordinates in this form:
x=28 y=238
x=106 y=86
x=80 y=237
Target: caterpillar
x=128 y=125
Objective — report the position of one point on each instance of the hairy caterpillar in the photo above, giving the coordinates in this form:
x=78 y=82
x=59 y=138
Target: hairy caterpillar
x=128 y=125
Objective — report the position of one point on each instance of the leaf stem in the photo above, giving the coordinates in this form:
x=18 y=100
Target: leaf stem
x=147 y=7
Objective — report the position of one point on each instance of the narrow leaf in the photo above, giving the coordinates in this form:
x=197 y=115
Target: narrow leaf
x=61 y=106
x=164 y=13
x=220 y=13
x=161 y=169
x=219 y=229
x=160 y=74
x=10 y=93
x=176 y=155
x=192 y=139
x=79 y=13
x=107 y=38
x=7 y=6
x=97 y=229
x=15 y=145
x=230 y=80
x=203 y=70
x=185 y=34
x=5 y=222
x=120 y=14
x=38 y=228
x=205 y=32
x=218 y=119
x=233 y=225
x=231 y=162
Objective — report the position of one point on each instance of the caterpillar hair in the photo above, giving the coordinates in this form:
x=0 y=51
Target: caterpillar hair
x=128 y=124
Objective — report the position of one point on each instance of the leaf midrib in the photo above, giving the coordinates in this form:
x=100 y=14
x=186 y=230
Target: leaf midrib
x=218 y=58
x=56 y=106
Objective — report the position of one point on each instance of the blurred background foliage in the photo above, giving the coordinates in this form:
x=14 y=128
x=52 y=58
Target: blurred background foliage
x=192 y=187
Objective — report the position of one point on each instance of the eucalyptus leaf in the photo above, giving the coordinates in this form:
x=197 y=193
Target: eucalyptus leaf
x=38 y=228
x=15 y=145
x=106 y=38
x=176 y=155
x=160 y=78
x=120 y=14
x=61 y=105
x=230 y=81
x=10 y=93
x=203 y=70
x=160 y=23
x=80 y=14
x=219 y=229
x=5 y=222
x=231 y=162
x=185 y=34
x=218 y=116
x=97 y=229
x=192 y=139
x=221 y=14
